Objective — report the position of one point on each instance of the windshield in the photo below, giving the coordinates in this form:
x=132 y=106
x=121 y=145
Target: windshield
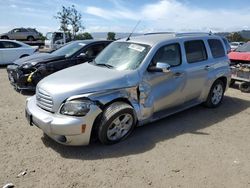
x=122 y=55
x=49 y=36
x=244 y=48
x=69 y=49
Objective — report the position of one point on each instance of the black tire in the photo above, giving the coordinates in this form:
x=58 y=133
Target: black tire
x=210 y=103
x=4 y=37
x=245 y=87
x=30 y=38
x=110 y=114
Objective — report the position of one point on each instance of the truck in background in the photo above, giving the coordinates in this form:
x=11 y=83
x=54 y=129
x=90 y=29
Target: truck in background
x=55 y=40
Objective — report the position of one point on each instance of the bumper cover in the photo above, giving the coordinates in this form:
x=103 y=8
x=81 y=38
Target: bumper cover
x=63 y=129
x=18 y=79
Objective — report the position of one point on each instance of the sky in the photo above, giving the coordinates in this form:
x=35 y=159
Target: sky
x=122 y=15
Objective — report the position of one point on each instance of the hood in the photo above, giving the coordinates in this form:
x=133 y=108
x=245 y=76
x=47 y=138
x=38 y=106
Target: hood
x=38 y=58
x=243 y=56
x=85 y=78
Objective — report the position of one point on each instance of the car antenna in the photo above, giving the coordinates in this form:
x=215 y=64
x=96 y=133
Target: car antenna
x=133 y=30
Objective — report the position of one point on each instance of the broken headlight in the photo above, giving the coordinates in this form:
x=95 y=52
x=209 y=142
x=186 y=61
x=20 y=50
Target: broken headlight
x=76 y=107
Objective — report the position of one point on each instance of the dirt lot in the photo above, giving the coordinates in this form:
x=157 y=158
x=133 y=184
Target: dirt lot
x=196 y=148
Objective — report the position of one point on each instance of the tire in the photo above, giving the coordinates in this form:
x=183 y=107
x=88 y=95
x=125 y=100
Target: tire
x=117 y=122
x=245 y=87
x=215 y=95
x=30 y=38
x=4 y=37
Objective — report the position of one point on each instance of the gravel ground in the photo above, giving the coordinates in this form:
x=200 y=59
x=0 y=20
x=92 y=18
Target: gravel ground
x=196 y=148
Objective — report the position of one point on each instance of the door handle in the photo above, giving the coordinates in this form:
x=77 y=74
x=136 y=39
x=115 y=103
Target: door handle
x=207 y=67
x=178 y=74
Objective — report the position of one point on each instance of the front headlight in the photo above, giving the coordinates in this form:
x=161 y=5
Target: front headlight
x=76 y=107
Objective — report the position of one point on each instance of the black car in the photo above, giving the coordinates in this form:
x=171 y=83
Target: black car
x=26 y=72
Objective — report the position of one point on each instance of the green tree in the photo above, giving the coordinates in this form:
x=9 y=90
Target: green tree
x=83 y=36
x=69 y=17
x=63 y=17
x=234 y=37
x=110 y=36
x=75 y=20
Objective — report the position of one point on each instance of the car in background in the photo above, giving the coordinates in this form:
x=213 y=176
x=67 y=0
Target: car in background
x=55 y=40
x=27 y=72
x=11 y=50
x=132 y=82
x=240 y=55
x=235 y=45
x=28 y=34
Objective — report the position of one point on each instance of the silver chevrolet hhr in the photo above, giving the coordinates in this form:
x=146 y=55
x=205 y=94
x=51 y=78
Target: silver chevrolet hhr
x=132 y=82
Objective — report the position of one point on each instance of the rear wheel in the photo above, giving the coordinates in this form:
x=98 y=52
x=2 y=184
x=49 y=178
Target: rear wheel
x=117 y=123
x=215 y=95
x=4 y=37
x=245 y=87
x=30 y=38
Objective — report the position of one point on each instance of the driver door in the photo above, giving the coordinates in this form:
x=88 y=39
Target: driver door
x=166 y=87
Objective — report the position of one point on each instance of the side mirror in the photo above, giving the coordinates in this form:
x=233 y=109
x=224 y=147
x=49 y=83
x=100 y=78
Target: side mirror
x=82 y=55
x=160 y=67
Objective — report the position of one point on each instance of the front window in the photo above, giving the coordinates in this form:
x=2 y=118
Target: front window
x=69 y=49
x=49 y=36
x=244 y=48
x=122 y=55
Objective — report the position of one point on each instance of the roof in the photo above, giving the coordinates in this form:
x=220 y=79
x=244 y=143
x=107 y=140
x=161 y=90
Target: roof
x=154 y=38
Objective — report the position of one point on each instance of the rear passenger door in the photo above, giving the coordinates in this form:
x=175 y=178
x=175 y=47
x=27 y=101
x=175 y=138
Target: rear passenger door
x=197 y=67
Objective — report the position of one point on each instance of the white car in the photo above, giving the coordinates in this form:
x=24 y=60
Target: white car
x=12 y=50
x=235 y=45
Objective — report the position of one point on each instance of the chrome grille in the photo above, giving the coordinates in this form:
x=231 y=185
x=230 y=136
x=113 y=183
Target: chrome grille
x=44 y=100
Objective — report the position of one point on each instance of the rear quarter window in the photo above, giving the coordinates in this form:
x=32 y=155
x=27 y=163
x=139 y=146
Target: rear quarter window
x=195 y=51
x=216 y=48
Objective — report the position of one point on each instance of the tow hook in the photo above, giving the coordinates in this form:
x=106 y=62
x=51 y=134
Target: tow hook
x=29 y=79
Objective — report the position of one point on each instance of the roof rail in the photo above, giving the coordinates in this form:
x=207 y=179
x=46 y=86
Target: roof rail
x=158 y=33
x=192 y=33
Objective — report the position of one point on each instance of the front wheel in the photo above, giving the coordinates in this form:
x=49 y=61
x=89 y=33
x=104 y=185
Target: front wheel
x=215 y=95
x=117 y=123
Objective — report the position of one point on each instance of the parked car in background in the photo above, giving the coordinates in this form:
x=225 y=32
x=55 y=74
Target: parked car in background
x=55 y=40
x=27 y=72
x=235 y=45
x=131 y=82
x=12 y=50
x=240 y=55
x=29 y=34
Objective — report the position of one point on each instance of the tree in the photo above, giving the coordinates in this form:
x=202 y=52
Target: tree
x=235 y=37
x=83 y=36
x=70 y=17
x=110 y=36
x=63 y=17
x=75 y=20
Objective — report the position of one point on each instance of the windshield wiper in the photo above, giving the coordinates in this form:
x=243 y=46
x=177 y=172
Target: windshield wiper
x=104 y=65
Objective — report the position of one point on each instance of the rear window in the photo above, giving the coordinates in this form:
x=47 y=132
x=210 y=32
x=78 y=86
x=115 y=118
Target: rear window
x=216 y=48
x=195 y=51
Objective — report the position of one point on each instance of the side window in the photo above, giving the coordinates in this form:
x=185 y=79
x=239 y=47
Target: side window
x=94 y=50
x=1 y=45
x=170 y=54
x=216 y=48
x=16 y=30
x=10 y=44
x=195 y=51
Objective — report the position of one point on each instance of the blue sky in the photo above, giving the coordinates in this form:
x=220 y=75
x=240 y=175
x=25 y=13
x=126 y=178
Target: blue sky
x=122 y=15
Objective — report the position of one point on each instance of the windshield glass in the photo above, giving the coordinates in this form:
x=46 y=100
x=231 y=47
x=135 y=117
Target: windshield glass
x=244 y=48
x=122 y=55
x=69 y=49
x=49 y=36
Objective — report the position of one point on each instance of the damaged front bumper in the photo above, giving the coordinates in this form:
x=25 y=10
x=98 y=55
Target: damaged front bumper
x=19 y=79
x=67 y=130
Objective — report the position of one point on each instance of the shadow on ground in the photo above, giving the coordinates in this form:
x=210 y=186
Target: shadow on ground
x=146 y=137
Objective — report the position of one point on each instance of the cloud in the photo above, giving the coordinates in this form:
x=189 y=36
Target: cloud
x=13 y=6
x=168 y=15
